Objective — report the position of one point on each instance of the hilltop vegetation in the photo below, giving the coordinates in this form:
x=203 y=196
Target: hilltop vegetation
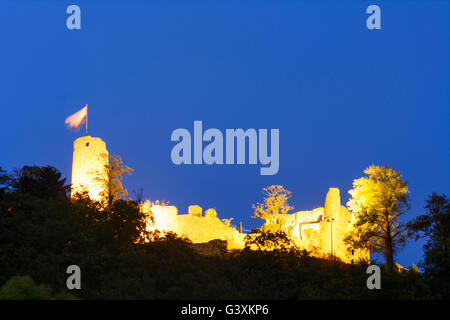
x=43 y=231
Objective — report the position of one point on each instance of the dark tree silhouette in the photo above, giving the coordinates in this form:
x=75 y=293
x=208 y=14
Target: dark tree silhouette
x=435 y=226
x=42 y=182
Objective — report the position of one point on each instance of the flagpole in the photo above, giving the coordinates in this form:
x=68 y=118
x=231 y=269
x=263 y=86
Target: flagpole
x=86 y=118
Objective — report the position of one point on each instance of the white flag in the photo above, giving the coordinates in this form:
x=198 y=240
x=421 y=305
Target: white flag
x=76 y=120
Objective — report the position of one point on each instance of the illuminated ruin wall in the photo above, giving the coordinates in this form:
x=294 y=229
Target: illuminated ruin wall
x=321 y=230
x=88 y=167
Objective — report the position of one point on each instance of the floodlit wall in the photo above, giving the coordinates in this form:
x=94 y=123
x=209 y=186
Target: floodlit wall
x=320 y=231
x=195 y=226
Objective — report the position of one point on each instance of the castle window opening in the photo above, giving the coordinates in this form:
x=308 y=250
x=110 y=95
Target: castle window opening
x=87 y=144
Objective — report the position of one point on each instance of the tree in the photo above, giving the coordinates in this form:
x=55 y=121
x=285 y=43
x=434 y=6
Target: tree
x=274 y=208
x=42 y=182
x=139 y=195
x=435 y=225
x=269 y=241
x=127 y=220
x=113 y=187
x=377 y=202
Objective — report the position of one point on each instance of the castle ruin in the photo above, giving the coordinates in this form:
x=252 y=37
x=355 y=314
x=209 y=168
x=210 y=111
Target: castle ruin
x=321 y=230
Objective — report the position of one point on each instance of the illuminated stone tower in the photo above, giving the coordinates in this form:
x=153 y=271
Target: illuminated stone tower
x=88 y=167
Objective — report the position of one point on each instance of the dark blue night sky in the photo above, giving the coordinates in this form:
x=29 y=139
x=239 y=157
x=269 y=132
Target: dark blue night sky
x=343 y=96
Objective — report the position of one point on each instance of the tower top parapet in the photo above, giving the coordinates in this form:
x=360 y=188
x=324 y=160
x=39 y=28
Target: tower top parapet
x=88 y=141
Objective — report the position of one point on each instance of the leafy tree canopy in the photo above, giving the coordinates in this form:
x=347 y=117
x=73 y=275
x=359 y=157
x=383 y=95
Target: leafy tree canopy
x=42 y=182
x=274 y=208
x=377 y=202
x=269 y=240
